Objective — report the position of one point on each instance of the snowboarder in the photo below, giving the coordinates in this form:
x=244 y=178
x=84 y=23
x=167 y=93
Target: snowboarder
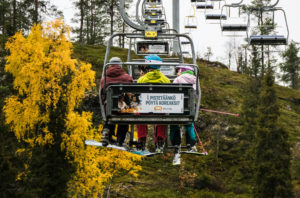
x=115 y=74
x=185 y=75
x=153 y=75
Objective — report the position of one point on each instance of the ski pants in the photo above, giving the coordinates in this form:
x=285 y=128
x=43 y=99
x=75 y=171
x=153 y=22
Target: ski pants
x=175 y=134
x=121 y=132
x=159 y=131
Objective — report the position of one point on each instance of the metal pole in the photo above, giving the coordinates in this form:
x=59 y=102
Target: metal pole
x=176 y=24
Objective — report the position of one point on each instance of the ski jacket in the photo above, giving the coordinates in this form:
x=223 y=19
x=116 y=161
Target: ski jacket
x=186 y=78
x=154 y=76
x=114 y=74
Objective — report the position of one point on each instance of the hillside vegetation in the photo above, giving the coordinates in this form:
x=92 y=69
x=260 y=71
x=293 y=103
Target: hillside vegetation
x=221 y=173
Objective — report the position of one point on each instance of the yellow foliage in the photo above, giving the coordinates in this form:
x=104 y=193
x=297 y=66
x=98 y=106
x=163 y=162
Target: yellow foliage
x=95 y=167
x=48 y=79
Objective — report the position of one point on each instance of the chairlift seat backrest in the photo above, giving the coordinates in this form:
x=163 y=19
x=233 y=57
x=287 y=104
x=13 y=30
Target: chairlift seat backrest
x=153 y=1
x=267 y=40
x=185 y=43
x=154 y=22
x=157 y=103
x=215 y=16
x=190 y=26
x=204 y=6
x=234 y=27
x=155 y=11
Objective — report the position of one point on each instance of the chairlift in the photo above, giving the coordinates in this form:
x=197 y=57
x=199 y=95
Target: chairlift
x=184 y=93
x=153 y=12
x=195 y=1
x=154 y=22
x=280 y=34
x=185 y=47
x=153 y=4
x=236 y=22
x=190 y=21
x=179 y=104
x=154 y=16
x=214 y=15
x=204 y=6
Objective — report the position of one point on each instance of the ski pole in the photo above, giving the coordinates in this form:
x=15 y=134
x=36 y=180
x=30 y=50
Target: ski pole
x=220 y=112
x=203 y=149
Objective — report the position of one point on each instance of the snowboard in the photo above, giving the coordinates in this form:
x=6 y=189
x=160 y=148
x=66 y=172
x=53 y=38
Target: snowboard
x=121 y=148
x=193 y=153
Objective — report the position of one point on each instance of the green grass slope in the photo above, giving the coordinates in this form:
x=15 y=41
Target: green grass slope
x=220 y=173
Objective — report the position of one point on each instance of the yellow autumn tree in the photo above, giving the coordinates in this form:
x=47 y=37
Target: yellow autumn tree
x=50 y=85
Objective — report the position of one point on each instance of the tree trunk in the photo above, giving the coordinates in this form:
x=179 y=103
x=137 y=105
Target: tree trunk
x=112 y=17
x=14 y=24
x=2 y=19
x=81 y=21
x=87 y=25
x=36 y=12
x=92 y=23
x=262 y=47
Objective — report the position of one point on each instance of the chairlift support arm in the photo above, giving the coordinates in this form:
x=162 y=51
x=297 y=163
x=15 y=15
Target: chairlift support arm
x=137 y=13
x=127 y=20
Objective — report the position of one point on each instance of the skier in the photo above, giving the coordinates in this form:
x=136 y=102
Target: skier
x=115 y=74
x=185 y=75
x=153 y=75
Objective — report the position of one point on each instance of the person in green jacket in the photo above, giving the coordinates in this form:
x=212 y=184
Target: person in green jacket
x=153 y=75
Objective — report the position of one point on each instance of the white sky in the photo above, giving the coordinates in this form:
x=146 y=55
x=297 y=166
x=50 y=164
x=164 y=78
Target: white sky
x=208 y=35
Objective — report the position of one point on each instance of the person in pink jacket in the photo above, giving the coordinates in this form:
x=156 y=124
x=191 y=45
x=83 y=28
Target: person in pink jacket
x=185 y=76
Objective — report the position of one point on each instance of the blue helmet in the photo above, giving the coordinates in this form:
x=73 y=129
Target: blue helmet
x=152 y=58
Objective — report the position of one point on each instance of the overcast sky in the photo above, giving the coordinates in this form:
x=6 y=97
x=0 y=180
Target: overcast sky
x=209 y=35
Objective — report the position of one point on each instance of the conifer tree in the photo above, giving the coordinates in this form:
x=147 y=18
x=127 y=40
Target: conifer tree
x=291 y=66
x=42 y=114
x=272 y=151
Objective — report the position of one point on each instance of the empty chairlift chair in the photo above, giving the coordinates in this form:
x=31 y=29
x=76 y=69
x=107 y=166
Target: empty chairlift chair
x=204 y=5
x=278 y=36
x=190 y=21
x=236 y=23
x=185 y=48
x=153 y=12
x=214 y=15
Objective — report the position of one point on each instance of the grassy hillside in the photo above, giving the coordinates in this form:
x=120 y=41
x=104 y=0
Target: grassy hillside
x=219 y=173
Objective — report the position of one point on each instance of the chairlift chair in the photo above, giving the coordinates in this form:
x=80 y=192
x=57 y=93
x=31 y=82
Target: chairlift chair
x=190 y=21
x=153 y=4
x=188 y=111
x=195 y=1
x=213 y=16
x=202 y=5
x=236 y=23
x=185 y=47
x=280 y=34
x=154 y=12
x=154 y=16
